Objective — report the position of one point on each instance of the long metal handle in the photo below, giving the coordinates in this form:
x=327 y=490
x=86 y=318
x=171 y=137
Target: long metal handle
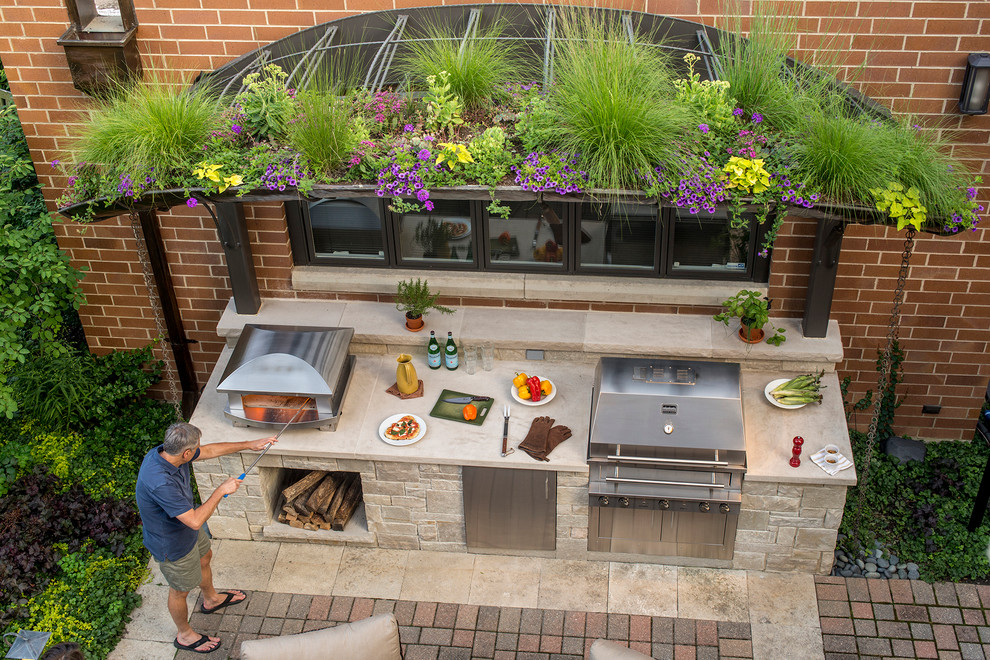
x=661 y=483
x=679 y=461
x=277 y=436
x=505 y=438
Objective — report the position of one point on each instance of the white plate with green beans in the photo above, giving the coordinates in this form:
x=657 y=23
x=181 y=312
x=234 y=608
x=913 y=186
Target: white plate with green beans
x=771 y=386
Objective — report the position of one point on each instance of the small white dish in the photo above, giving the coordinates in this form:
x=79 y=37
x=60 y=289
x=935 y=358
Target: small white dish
x=408 y=441
x=514 y=391
x=771 y=386
x=831 y=462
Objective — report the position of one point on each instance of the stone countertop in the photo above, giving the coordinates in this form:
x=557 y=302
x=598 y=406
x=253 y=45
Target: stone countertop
x=568 y=332
x=366 y=404
x=769 y=430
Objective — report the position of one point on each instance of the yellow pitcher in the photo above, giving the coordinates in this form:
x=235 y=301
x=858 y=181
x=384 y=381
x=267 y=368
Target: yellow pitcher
x=405 y=375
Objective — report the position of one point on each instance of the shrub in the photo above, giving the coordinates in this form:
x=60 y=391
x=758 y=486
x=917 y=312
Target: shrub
x=324 y=132
x=144 y=132
x=91 y=600
x=478 y=68
x=267 y=106
x=41 y=512
x=77 y=389
x=612 y=102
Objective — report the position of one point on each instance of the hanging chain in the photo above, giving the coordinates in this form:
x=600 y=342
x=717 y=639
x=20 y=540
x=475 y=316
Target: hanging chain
x=149 y=282
x=883 y=381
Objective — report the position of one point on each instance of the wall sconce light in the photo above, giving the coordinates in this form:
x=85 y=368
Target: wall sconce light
x=101 y=44
x=976 y=85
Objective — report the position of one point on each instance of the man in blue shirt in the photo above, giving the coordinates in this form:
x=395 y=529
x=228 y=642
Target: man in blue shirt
x=175 y=530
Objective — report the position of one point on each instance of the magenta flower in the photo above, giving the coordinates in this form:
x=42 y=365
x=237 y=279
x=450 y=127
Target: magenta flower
x=236 y=129
x=757 y=118
x=191 y=202
x=55 y=162
x=703 y=128
x=408 y=128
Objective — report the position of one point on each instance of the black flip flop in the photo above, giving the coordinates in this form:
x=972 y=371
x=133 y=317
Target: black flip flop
x=194 y=646
x=229 y=600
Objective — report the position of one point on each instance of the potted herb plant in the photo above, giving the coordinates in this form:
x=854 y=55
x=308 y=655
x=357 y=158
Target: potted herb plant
x=753 y=312
x=415 y=299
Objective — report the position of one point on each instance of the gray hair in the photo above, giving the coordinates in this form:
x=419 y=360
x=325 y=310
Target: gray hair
x=180 y=437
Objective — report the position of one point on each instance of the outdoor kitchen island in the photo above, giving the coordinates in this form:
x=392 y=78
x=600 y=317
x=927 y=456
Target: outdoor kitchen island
x=413 y=496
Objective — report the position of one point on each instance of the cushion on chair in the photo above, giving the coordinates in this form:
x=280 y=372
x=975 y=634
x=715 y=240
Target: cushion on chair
x=374 y=638
x=603 y=650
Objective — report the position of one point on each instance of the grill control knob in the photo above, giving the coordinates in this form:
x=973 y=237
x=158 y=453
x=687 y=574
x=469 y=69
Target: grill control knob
x=624 y=501
x=668 y=428
x=603 y=501
x=724 y=508
x=664 y=504
x=704 y=507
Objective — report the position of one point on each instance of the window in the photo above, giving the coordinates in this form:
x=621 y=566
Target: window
x=584 y=238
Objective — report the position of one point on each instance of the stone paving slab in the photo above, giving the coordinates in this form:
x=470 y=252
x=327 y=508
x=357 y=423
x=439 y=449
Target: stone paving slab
x=449 y=631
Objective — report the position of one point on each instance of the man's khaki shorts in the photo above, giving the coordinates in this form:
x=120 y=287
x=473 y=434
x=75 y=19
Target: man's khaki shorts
x=185 y=574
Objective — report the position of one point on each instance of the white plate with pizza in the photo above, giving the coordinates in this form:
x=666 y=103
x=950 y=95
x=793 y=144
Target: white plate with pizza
x=402 y=429
x=457 y=229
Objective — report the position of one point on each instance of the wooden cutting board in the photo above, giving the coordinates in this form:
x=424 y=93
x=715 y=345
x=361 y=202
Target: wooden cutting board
x=454 y=411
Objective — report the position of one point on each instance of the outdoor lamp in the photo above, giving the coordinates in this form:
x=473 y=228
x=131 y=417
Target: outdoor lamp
x=28 y=644
x=976 y=85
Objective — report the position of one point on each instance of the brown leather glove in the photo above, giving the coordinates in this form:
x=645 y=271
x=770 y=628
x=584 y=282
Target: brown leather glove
x=556 y=436
x=535 y=443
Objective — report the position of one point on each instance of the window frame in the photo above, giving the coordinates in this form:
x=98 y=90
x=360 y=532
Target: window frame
x=303 y=247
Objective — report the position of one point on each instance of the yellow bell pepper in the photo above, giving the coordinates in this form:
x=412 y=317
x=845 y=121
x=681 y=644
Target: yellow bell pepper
x=524 y=392
x=519 y=380
x=545 y=387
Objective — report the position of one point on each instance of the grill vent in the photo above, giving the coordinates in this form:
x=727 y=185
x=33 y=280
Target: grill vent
x=668 y=408
x=666 y=374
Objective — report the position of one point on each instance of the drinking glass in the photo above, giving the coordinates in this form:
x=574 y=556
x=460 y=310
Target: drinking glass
x=488 y=355
x=470 y=359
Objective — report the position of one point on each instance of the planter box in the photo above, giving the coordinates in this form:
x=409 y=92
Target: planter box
x=100 y=60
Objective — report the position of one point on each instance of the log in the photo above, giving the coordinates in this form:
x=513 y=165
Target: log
x=311 y=479
x=320 y=499
x=347 y=507
x=338 y=497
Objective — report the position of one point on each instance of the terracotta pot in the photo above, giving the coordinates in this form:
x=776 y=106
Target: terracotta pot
x=751 y=335
x=414 y=323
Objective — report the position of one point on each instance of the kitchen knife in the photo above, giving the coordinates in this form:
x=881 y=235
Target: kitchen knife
x=466 y=399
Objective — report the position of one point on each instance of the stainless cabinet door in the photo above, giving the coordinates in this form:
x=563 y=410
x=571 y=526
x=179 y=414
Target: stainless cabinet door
x=510 y=509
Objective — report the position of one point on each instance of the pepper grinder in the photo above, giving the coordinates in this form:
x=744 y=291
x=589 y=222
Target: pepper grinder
x=796 y=451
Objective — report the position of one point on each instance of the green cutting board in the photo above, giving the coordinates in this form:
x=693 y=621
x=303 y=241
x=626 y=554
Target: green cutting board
x=454 y=411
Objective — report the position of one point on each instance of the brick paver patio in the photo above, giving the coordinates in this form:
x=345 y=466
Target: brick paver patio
x=447 y=631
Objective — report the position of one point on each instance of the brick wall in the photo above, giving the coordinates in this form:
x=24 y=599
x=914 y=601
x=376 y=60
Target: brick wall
x=913 y=56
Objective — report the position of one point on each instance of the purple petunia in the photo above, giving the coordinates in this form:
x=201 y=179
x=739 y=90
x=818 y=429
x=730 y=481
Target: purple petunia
x=56 y=162
x=738 y=112
x=428 y=205
x=236 y=129
x=757 y=118
x=408 y=128
x=424 y=154
x=191 y=202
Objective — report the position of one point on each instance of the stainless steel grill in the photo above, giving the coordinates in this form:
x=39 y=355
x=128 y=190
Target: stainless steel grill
x=273 y=370
x=666 y=456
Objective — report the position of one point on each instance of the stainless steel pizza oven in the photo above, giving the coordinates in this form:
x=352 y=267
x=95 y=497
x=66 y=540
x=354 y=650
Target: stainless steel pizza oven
x=667 y=455
x=276 y=370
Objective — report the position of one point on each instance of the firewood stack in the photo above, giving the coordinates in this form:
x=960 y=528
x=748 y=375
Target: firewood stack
x=321 y=500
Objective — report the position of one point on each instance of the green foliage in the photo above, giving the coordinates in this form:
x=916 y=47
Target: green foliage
x=709 y=98
x=142 y=133
x=920 y=509
x=268 y=107
x=443 y=105
x=612 y=102
x=842 y=156
x=21 y=202
x=90 y=602
x=535 y=124
x=39 y=283
x=416 y=299
x=75 y=390
x=325 y=132
x=903 y=206
x=752 y=309
x=477 y=69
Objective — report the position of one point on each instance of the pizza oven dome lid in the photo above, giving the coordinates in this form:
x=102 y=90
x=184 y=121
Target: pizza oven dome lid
x=286 y=359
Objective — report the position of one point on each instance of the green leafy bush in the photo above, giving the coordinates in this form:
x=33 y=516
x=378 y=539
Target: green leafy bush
x=267 y=106
x=76 y=389
x=91 y=600
x=920 y=509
